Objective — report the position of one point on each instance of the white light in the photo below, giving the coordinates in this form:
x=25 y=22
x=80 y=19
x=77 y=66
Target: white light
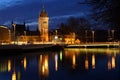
x=56 y=37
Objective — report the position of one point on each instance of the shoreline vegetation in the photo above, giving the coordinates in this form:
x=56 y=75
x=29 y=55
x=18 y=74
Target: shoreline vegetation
x=14 y=49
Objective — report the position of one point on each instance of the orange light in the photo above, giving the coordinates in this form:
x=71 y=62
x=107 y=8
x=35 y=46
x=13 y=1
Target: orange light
x=109 y=65
x=113 y=62
x=56 y=65
x=86 y=63
x=93 y=61
x=25 y=63
x=40 y=66
x=14 y=76
x=9 y=65
x=19 y=75
x=45 y=67
x=73 y=61
x=46 y=63
x=56 y=62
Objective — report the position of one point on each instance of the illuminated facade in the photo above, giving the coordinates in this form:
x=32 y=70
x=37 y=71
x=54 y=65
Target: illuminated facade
x=43 y=66
x=43 y=23
x=22 y=34
x=70 y=38
x=5 y=35
x=18 y=28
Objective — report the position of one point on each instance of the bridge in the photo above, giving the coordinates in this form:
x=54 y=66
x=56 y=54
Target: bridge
x=95 y=45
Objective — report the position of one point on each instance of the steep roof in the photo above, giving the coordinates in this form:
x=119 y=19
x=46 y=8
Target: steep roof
x=43 y=14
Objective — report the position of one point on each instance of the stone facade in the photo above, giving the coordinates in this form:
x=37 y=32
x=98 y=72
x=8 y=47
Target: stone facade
x=43 y=23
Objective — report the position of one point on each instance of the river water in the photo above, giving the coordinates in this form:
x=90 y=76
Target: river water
x=67 y=64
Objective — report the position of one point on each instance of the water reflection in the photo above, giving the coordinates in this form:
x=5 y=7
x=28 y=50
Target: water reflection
x=113 y=61
x=14 y=76
x=109 y=63
x=19 y=75
x=9 y=65
x=25 y=63
x=86 y=63
x=43 y=65
x=56 y=62
x=92 y=54
x=93 y=61
x=50 y=64
x=61 y=56
x=73 y=61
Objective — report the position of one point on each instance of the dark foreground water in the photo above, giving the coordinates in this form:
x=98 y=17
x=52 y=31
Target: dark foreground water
x=69 y=64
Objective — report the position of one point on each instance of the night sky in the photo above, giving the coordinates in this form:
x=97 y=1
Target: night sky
x=29 y=10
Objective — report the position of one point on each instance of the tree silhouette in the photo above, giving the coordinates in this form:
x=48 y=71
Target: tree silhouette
x=77 y=26
x=106 y=11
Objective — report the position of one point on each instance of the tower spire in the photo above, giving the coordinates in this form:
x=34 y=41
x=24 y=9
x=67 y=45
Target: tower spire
x=43 y=12
x=43 y=7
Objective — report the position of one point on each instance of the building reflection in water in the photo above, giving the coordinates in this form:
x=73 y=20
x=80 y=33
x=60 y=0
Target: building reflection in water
x=93 y=61
x=24 y=63
x=43 y=65
x=56 y=62
x=109 y=64
x=86 y=60
x=70 y=58
x=19 y=75
x=40 y=64
x=86 y=63
x=61 y=56
x=113 y=62
x=111 y=56
x=111 y=59
x=73 y=61
x=14 y=76
x=9 y=65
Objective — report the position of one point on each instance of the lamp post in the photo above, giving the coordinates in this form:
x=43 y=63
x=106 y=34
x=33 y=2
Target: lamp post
x=14 y=28
x=86 y=35
x=25 y=36
x=108 y=35
x=56 y=37
x=113 y=34
x=56 y=32
x=93 y=32
x=9 y=36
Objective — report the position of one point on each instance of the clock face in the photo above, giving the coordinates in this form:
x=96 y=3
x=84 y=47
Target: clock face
x=45 y=22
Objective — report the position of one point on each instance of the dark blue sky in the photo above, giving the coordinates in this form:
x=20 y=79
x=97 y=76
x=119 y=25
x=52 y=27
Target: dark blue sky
x=29 y=10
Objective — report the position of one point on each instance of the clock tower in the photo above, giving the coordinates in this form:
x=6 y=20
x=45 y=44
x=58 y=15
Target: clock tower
x=43 y=23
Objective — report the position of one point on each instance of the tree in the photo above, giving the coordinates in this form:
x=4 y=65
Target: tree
x=76 y=25
x=63 y=28
x=106 y=11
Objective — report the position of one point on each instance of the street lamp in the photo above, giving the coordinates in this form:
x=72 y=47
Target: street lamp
x=25 y=36
x=9 y=36
x=113 y=34
x=86 y=35
x=56 y=37
x=93 y=32
x=56 y=32
x=14 y=28
x=108 y=35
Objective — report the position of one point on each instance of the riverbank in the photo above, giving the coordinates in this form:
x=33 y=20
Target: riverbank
x=14 y=49
x=94 y=45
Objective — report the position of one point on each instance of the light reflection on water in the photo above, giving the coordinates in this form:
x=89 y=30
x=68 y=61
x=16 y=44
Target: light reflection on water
x=69 y=64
